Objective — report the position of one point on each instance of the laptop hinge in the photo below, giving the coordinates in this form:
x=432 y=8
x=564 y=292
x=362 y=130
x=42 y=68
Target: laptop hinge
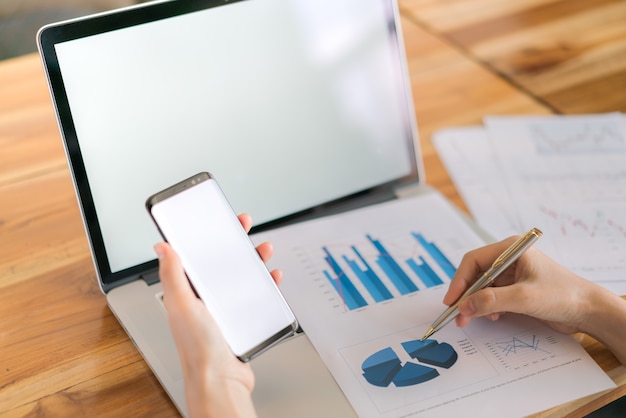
x=150 y=277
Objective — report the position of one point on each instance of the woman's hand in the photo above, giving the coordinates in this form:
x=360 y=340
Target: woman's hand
x=537 y=286
x=216 y=382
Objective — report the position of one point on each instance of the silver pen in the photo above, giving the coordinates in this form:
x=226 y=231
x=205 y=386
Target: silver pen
x=507 y=258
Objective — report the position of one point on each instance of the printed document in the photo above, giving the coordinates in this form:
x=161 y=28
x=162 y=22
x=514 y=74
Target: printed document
x=565 y=175
x=365 y=285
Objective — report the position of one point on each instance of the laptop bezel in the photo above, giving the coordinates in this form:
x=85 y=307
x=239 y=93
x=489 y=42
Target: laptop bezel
x=55 y=33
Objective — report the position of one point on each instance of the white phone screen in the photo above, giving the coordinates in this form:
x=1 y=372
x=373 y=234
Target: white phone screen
x=223 y=265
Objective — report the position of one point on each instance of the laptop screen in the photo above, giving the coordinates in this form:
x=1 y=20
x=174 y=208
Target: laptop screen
x=290 y=104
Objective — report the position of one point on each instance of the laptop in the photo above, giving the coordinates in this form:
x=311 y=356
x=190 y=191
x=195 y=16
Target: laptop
x=300 y=108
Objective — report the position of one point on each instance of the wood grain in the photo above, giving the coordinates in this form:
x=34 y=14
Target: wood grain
x=568 y=54
x=443 y=97
x=64 y=353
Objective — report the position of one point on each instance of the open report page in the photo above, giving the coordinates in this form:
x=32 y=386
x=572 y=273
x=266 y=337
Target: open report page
x=562 y=174
x=365 y=285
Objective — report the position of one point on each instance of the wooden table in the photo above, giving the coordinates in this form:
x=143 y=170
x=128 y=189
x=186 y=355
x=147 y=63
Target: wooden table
x=62 y=352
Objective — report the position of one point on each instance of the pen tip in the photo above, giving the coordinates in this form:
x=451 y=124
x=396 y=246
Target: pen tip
x=427 y=334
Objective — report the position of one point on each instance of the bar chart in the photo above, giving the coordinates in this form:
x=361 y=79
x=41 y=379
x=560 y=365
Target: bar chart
x=365 y=285
x=375 y=273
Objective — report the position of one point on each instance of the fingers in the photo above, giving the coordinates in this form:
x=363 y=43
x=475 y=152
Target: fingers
x=265 y=250
x=246 y=221
x=173 y=279
x=473 y=264
x=277 y=275
x=176 y=287
x=492 y=301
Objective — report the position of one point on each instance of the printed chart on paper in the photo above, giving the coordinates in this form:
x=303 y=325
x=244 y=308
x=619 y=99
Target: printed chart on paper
x=365 y=285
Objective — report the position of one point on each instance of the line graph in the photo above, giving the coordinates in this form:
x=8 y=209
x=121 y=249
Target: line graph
x=587 y=238
x=520 y=351
x=515 y=345
x=580 y=137
x=596 y=222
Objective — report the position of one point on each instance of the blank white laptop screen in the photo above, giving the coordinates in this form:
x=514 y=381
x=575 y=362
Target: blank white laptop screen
x=289 y=103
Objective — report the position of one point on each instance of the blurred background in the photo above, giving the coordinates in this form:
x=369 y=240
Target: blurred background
x=21 y=19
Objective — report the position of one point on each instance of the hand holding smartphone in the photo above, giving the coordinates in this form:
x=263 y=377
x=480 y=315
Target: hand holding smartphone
x=222 y=264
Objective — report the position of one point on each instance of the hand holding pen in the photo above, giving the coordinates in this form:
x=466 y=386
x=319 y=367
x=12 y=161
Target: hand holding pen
x=501 y=263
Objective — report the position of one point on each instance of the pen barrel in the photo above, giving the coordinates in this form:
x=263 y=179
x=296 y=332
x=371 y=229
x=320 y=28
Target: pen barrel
x=447 y=316
x=502 y=263
x=453 y=314
x=485 y=280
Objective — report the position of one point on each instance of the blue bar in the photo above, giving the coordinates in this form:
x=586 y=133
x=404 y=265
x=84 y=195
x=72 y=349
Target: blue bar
x=369 y=278
x=424 y=272
x=392 y=269
x=344 y=287
x=436 y=254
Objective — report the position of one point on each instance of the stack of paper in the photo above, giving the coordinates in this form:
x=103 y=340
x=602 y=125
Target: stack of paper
x=565 y=175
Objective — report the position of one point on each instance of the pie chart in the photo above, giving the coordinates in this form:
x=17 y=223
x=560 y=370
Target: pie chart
x=385 y=367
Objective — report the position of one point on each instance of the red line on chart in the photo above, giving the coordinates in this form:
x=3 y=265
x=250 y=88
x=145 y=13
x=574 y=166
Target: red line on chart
x=567 y=221
x=617 y=227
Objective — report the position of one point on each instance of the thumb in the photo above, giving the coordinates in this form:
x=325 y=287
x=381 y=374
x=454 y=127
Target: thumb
x=171 y=273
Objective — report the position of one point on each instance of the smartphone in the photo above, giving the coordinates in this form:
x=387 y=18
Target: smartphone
x=222 y=264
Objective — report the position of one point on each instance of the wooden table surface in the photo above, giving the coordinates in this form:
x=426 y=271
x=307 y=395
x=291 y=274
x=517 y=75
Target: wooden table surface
x=63 y=353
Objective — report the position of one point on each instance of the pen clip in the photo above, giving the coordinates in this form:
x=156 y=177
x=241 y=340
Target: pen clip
x=522 y=242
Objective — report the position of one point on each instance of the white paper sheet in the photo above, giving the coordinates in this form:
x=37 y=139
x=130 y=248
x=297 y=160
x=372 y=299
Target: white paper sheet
x=564 y=175
x=359 y=325
x=474 y=168
x=567 y=176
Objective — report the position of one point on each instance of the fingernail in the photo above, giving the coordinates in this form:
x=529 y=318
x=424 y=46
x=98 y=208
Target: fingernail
x=158 y=250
